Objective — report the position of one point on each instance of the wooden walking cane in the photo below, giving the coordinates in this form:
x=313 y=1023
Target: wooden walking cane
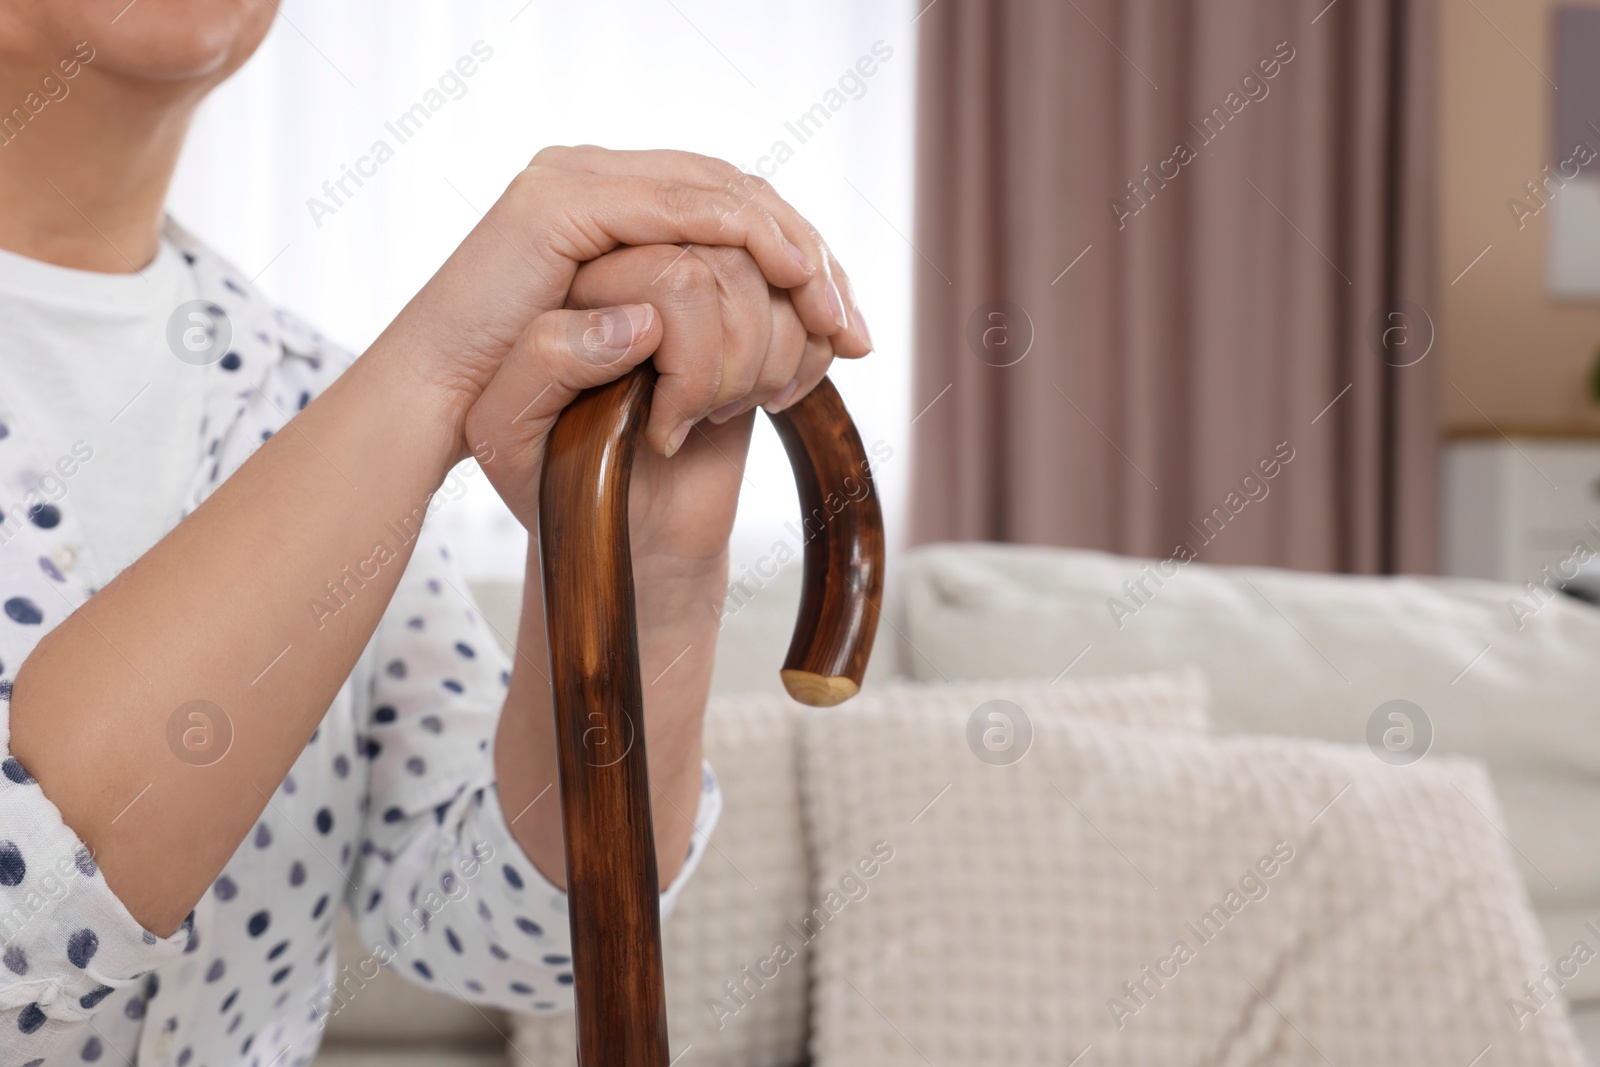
x=612 y=886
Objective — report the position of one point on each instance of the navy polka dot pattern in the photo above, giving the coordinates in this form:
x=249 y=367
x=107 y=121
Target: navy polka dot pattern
x=24 y=612
x=12 y=865
x=390 y=810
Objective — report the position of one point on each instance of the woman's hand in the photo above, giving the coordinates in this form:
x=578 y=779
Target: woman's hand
x=727 y=340
x=721 y=335
x=573 y=205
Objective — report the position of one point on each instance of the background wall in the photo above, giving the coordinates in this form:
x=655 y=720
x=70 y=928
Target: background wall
x=1513 y=356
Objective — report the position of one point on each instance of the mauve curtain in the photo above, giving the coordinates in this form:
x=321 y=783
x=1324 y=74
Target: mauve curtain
x=1261 y=291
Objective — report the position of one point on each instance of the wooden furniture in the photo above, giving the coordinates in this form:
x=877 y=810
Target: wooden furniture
x=1515 y=503
x=612 y=883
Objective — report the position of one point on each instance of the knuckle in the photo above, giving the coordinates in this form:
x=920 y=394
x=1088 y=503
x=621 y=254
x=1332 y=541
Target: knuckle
x=731 y=263
x=740 y=376
x=531 y=183
x=714 y=168
x=678 y=199
x=536 y=343
x=554 y=155
x=691 y=394
x=690 y=279
x=778 y=372
x=774 y=229
x=728 y=176
x=748 y=188
x=785 y=361
x=560 y=335
x=771 y=380
x=816 y=357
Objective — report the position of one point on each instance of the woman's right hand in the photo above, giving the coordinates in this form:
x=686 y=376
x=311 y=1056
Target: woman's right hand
x=572 y=205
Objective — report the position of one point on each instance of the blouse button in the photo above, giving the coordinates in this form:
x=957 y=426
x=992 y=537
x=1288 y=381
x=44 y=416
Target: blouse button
x=65 y=557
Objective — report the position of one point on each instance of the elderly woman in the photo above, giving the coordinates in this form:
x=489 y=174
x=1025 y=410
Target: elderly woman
x=244 y=683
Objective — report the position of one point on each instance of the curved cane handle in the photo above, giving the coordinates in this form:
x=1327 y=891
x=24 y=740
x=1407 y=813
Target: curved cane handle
x=612 y=881
x=843 y=525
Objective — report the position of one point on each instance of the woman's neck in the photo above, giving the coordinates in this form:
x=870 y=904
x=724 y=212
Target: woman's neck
x=84 y=178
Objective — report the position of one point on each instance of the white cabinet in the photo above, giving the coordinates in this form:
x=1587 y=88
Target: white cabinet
x=1513 y=506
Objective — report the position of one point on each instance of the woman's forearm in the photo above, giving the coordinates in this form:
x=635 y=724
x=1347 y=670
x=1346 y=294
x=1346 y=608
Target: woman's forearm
x=677 y=647
x=222 y=610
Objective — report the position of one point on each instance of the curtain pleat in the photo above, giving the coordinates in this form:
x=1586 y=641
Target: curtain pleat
x=1193 y=320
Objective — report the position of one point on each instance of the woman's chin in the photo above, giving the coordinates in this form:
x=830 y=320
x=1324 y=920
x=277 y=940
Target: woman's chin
x=166 y=40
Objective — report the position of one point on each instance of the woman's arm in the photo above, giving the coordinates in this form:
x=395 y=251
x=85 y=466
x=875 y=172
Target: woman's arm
x=203 y=614
x=206 y=613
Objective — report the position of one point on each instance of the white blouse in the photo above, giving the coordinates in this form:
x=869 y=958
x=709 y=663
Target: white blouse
x=390 y=811
x=87 y=372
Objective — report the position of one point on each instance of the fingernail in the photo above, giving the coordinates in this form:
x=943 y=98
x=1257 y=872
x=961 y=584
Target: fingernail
x=861 y=325
x=675 y=442
x=726 y=411
x=800 y=257
x=781 y=401
x=616 y=329
x=836 y=305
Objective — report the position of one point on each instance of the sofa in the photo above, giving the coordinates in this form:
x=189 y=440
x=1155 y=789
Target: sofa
x=1130 y=811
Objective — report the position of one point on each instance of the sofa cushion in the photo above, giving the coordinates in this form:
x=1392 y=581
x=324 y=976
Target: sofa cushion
x=1177 y=699
x=1312 y=654
x=755 y=879
x=1160 y=897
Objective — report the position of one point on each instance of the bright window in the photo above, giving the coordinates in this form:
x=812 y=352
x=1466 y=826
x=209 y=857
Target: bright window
x=728 y=79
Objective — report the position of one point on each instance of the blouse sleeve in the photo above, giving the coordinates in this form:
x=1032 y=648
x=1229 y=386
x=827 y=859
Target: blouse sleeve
x=66 y=940
x=444 y=893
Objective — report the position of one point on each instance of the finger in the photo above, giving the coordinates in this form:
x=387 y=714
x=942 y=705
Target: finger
x=690 y=360
x=824 y=300
x=560 y=354
x=813 y=368
x=746 y=326
x=858 y=341
x=573 y=216
x=780 y=368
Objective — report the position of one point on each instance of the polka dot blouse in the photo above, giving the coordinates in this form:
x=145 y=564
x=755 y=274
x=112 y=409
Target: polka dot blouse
x=390 y=811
